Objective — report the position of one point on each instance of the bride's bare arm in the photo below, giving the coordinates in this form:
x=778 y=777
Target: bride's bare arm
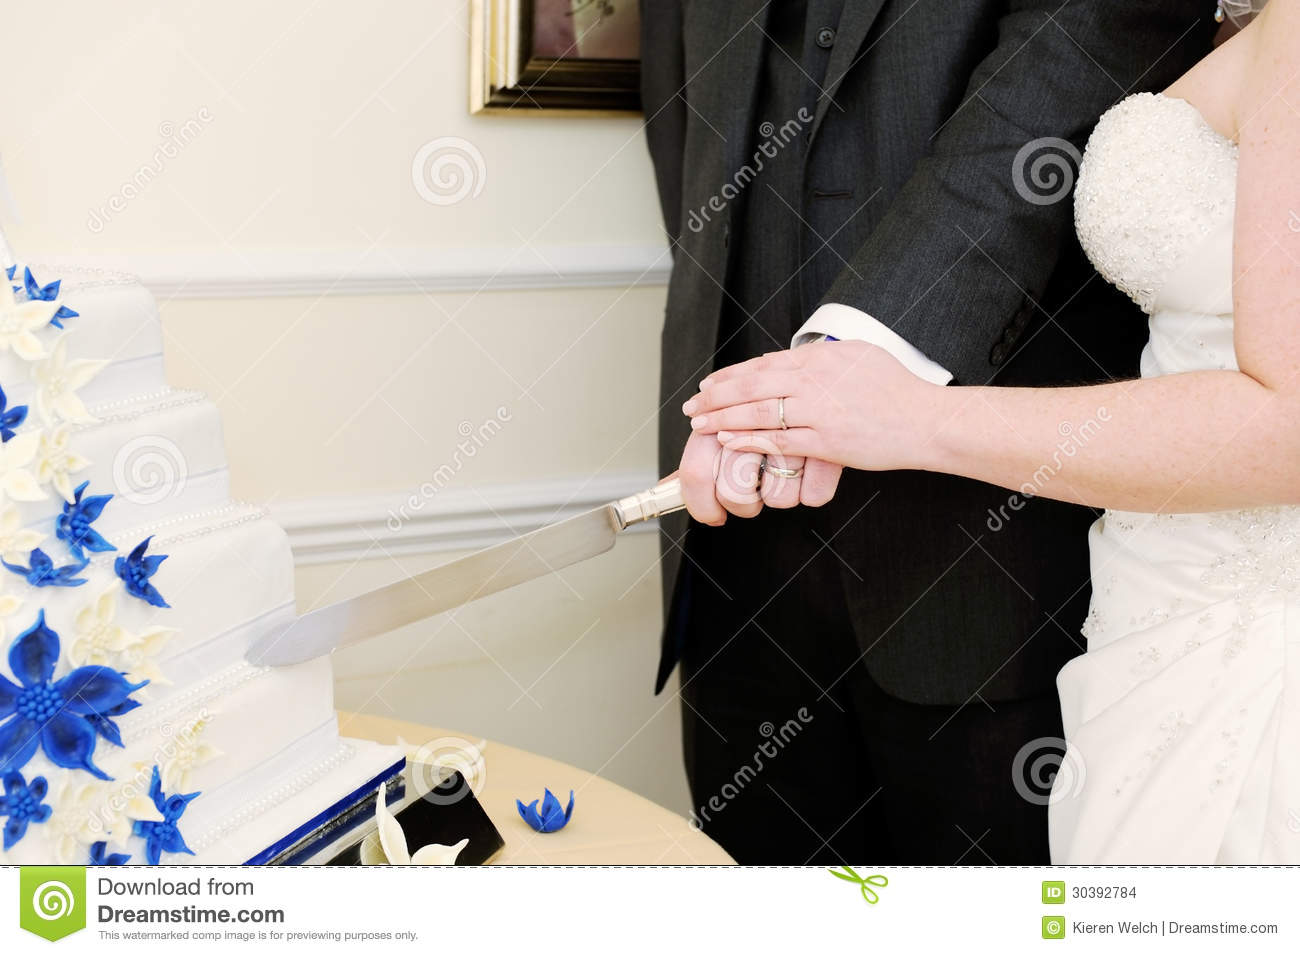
x=1197 y=441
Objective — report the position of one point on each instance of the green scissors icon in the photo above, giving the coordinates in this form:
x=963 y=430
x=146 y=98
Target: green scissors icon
x=865 y=884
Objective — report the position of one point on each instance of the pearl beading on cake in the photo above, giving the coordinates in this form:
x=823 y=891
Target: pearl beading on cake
x=103 y=278
x=145 y=530
x=193 y=698
x=140 y=405
x=252 y=810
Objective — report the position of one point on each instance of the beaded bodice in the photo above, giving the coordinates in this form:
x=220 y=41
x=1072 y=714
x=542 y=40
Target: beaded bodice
x=1154 y=209
x=1156 y=186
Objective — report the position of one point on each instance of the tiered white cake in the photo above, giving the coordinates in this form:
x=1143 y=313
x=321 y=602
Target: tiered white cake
x=98 y=764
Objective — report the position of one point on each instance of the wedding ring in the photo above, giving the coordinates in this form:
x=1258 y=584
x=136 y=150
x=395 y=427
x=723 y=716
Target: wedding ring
x=780 y=472
x=780 y=414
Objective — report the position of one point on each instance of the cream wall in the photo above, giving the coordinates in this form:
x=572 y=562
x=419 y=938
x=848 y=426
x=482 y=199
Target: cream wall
x=351 y=331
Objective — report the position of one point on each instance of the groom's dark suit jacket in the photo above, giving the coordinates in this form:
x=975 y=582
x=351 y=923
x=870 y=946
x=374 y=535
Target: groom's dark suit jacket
x=906 y=194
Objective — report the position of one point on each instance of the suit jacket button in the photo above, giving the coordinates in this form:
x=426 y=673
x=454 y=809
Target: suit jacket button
x=825 y=38
x=999 y=353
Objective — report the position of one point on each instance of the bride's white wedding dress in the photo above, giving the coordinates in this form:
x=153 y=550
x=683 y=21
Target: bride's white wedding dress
x=1183 y=718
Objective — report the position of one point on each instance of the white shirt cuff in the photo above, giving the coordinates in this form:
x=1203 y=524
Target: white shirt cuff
x=850 y=324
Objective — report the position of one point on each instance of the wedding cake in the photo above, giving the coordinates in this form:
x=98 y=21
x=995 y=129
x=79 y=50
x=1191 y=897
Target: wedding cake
x=131 y=727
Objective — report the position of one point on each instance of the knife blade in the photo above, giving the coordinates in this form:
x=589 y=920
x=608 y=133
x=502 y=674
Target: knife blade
x=458 y=582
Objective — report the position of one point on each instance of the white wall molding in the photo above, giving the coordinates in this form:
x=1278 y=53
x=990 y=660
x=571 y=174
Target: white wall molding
x=429 y=520
x=388 y=271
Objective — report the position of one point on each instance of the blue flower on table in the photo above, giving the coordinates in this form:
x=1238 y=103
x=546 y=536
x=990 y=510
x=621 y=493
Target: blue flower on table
x=41 y=571
x=164 y=836
x=10 y=418
x=73 y=525
x=135 y=570
x=63 y=718
x=23 y=803
x=99 y=855
x=552 y=816
x=46 y=293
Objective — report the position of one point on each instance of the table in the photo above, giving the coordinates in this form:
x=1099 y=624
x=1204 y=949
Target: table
x=610 y=826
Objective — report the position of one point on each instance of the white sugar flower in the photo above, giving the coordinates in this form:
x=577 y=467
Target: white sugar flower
x=388 y=845
x=186 y=753
x=16 y=541
x=86 y=813
x=9 y=605
x=20 y=320
x=16 y=479
x=101 y=641
x=57 y=381
x=74 y=824
x=56 y=462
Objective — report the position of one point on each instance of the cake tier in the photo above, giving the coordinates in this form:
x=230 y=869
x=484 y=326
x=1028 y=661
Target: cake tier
x=301 y=812
x=228 y=577
x=241 y=738
x=159 y=455
x=117 y=323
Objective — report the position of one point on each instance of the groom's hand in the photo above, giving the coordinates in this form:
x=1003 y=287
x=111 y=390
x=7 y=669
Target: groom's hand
x=717 y=482
x=815 y=485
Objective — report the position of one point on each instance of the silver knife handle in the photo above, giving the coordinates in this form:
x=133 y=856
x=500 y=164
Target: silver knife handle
x=663 y=498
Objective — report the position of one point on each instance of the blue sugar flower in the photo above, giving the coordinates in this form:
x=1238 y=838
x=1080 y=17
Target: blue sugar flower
x=43 y=573
x=23 y=804
x=73 y=525
x=103 y=722
x=46 y=293
x=553 y=816
x=63 y=718
x=136 y=569
x=10 y=418
x=165 y=836
x=99 y=855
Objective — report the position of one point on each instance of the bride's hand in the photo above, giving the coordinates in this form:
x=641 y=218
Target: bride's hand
x=848 y=403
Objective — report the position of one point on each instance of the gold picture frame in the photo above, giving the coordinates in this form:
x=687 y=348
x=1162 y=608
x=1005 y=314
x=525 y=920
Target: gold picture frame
x=514 y=69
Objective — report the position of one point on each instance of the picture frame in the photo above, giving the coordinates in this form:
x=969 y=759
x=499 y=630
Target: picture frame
x=555 y=57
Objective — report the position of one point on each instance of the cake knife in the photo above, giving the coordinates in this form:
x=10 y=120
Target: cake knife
x=458 y=582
